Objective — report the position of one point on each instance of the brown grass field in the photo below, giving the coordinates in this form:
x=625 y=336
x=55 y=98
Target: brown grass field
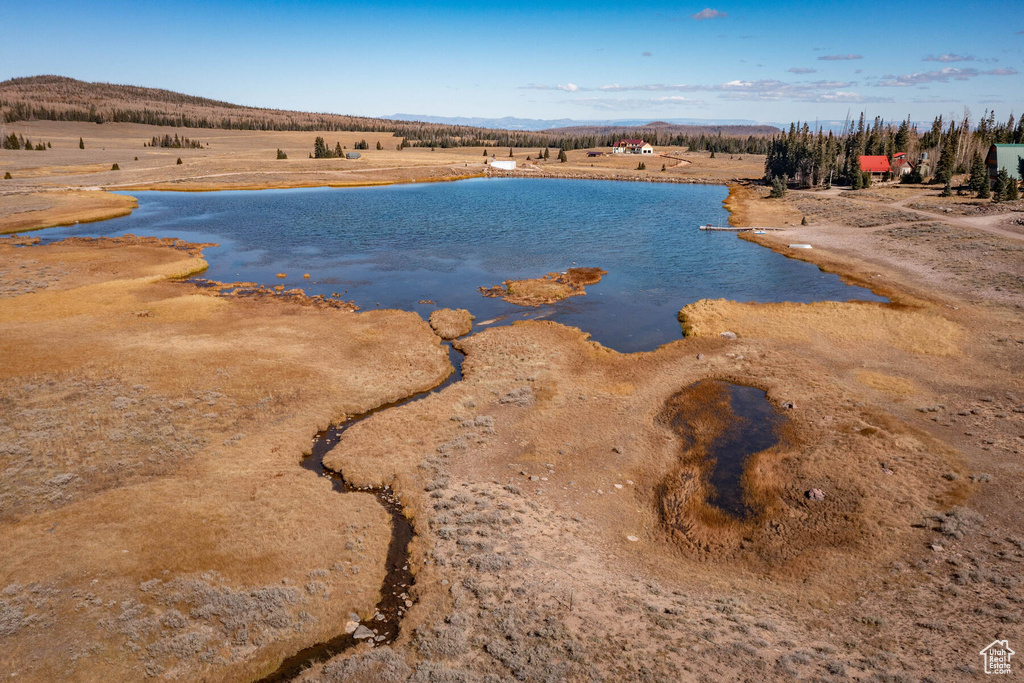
x=155 y=522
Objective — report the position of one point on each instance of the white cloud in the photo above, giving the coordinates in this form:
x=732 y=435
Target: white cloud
x=739 y=89
x=801 y=70
x=568 y=87
x=943 y=75
x=839 y=58
x=934 y=99
x=949 y=57
x=813 y=91
x=708 y=13
x=651 y=87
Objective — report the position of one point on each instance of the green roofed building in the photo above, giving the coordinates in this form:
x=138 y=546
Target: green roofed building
x=1004 y=156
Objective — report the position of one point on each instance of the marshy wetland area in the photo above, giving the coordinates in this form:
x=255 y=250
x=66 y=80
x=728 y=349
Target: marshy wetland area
x=216 y=468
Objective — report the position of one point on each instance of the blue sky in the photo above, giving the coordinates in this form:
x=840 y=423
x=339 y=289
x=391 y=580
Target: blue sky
x=581 y=60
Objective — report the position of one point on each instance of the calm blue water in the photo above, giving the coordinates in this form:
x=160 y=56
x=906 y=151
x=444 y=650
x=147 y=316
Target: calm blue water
x=396 y=245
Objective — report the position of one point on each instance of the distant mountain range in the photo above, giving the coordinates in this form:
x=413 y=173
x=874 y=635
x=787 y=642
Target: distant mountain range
x=515 y=123
x=537 y=125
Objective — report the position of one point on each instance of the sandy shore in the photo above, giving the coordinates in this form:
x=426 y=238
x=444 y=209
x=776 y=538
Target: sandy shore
x=137 y=407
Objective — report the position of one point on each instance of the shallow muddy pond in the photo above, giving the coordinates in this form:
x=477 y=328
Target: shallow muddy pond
x=721 y=425
x=753 y=427
x=394 y=246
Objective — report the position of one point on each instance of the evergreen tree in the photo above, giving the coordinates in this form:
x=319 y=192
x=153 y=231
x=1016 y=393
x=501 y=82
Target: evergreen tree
x=999 y=189
x=319 y=148
x=561 y=156
x=934 y=136
x=778 y=188
x=902 y=140
x=510 y=155
x=485 y=151
x=915 y=176
x=338 y=153
x=947 y=190
x=984 y=192
x=979 y=174
x=281 y=154
x=179 y=161
x=115 y=167
x=947 y=156
x=81 y=143
x=712 y=154
x=379 y=146
x=7 y=176
x=1011 y=190
x=547 y=153
x=857 y=177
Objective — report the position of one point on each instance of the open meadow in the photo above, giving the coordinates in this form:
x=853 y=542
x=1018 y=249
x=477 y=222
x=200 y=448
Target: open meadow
x=156 y=521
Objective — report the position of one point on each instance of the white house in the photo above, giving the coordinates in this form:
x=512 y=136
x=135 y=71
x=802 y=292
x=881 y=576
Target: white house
x=632 y=146
x=504 y=164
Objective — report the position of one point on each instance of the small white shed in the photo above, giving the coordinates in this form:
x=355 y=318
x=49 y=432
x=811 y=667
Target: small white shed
x=504 y=164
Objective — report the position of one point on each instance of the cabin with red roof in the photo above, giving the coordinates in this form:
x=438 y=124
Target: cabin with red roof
x=632 y=146
x=877 y=166
x=901 y=165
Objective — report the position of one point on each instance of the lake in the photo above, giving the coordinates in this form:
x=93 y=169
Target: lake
x=399 y=244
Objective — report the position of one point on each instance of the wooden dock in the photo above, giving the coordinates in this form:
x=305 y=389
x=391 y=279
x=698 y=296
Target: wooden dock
x=732 y=229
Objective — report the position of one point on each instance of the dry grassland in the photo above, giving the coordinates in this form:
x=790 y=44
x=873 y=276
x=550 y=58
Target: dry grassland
x=20 y=213
x=153 y=514
x=556 y=538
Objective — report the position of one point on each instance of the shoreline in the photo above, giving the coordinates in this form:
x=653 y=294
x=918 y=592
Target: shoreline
x=738 y=204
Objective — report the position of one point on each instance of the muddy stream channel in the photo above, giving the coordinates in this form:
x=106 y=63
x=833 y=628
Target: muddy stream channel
x=383 y=626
